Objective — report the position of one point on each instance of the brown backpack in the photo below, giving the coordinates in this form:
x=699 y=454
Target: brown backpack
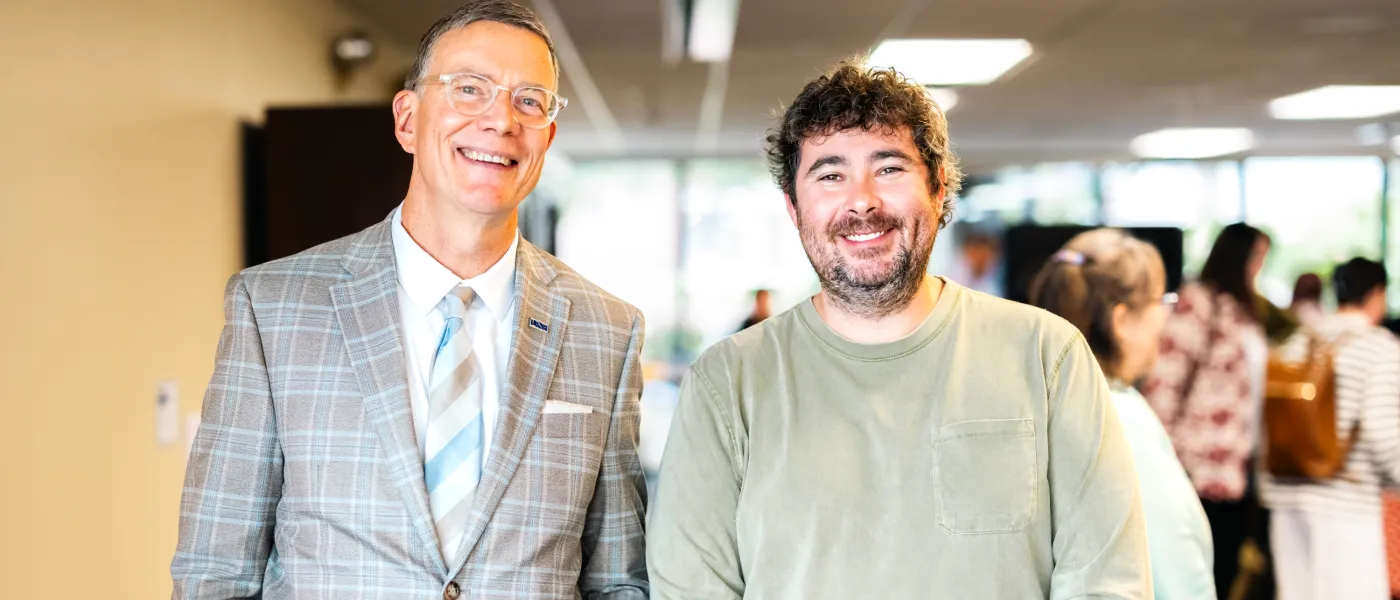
x=1300 y=416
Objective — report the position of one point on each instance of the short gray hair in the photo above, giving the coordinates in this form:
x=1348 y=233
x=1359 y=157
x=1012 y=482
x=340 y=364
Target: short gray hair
x=497 y=11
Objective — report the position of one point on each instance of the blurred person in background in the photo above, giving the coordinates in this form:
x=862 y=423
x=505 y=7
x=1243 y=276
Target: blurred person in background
x=377 y=423
x=1327 y=534
x=760 y=310
x=1208 y=384
x=1279 y=323
x=978 y=264
x=1307 y=300
x=896 y=436
x=1112 y=287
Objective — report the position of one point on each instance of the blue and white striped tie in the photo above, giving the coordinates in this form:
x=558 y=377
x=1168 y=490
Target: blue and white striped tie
x=455 y=441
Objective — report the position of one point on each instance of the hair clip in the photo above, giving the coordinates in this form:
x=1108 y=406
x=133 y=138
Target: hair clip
x=1072 y=257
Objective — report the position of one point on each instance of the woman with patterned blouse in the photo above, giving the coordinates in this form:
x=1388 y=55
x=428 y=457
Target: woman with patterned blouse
x=1208 y=384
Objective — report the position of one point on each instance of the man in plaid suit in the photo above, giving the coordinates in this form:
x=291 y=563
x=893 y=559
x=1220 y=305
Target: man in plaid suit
x=432 y=407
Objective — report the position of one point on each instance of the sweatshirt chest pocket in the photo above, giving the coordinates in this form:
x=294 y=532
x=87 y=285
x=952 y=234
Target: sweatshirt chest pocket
x=985 y=474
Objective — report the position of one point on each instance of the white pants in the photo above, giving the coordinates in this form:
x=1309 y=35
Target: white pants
x=1320 y=556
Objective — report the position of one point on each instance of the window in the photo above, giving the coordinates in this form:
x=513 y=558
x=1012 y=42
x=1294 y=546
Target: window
x=1048 y=193
x=1197 y=197
x=619 y=230
x=1319 y=211
x=1392 y=251
x=738 y=238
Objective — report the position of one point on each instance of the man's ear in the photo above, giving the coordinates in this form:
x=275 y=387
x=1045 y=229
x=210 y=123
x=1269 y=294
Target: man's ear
x=405 y=109
x=1377 y=299
x=791 y=208
x=938 y=199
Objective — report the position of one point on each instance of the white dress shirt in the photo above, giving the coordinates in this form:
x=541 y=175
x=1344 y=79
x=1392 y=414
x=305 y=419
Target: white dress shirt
x=423 y=282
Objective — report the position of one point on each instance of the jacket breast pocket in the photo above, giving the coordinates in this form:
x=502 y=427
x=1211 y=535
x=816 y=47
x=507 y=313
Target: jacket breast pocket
x=585 y=428
x=986 y=476
x=577 y=439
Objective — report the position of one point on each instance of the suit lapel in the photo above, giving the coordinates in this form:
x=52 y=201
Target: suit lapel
x=367 y=308
x=538 y=337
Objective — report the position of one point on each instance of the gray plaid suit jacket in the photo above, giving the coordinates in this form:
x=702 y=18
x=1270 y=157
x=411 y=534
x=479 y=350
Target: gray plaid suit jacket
x=305 y=480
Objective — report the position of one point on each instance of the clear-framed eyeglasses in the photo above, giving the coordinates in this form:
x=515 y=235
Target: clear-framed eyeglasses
x=472 y=95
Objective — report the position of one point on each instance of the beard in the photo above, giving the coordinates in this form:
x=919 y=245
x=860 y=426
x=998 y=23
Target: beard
x=865 y=283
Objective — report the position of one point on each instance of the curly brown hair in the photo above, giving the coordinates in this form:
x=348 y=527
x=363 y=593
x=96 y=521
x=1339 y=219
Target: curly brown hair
x=853 y=97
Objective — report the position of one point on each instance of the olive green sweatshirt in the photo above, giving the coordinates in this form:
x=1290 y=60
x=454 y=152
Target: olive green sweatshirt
x=978 y=457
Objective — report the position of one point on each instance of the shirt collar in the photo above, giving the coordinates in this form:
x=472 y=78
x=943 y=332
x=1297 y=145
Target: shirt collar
x=1348 y=321
x=426 y=281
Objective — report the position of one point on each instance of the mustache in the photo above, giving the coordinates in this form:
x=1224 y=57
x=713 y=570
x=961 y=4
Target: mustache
x=877 y=221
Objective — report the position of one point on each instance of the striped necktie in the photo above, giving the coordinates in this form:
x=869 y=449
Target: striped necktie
x=455 y=439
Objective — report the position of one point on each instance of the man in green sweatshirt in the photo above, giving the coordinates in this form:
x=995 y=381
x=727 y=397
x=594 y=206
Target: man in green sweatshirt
x=897 y=436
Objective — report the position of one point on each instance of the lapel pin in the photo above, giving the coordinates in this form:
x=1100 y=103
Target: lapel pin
x=538 y=325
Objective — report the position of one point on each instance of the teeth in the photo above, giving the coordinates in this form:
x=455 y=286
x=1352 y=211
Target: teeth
x=483 y=157
x=865 y=237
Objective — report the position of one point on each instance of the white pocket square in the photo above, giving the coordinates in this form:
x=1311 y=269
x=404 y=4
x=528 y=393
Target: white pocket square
x=556 y=407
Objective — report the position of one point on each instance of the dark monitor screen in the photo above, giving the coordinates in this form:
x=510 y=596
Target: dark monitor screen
x=1027 y=247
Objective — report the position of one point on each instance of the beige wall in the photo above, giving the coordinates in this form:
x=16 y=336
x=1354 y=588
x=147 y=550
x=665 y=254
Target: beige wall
x=119 y=164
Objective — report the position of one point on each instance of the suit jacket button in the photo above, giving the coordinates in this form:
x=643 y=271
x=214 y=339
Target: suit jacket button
x=452 y=592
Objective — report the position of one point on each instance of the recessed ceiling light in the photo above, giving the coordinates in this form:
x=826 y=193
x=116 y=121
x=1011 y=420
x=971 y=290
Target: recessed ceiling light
x=950 y=62
x=1200 y=142
x=1338 y=102
x=946 y=98
x=712 y=24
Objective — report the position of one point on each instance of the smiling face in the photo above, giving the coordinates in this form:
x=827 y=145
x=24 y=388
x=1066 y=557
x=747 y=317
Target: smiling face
x=866 y=216
x=487 y=163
